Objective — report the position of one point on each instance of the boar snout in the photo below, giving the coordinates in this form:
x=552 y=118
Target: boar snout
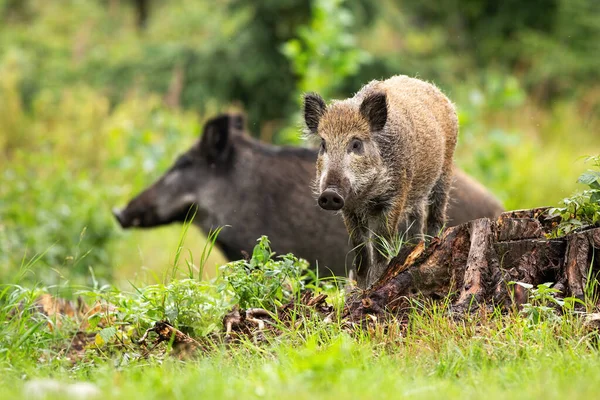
x=124 y=220
x=118 y=216
x=128 y=219
x=330 y=199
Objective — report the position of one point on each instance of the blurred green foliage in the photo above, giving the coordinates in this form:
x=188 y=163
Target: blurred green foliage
x=231 y=51
x=94 y=106
x=65 y=163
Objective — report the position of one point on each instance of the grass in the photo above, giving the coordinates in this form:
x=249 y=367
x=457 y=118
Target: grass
x=546 y=350
x=360 y=375
x=142 y=255
x=487 y=354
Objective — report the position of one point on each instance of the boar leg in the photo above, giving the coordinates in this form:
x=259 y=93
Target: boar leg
x=438 y=202
x=385 y=229
x=357 y=229
x=412 y=223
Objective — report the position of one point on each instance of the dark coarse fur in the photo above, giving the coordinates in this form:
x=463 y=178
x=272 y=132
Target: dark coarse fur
x=259 y=189
x=386 y=161
x=470 y=200
x=253 y=188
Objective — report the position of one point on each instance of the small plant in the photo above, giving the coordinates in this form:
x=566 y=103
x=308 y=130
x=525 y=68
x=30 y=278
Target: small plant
x=263 y=281
x=591 y=294
x=189 y=304
x=542 y=303
x=582 y=209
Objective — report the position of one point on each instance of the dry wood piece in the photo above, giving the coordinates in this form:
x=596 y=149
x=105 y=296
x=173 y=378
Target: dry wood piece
x=580 y=255
x=239 y=323
x=307 y=301
x=255 y=322
x=475 y=262
x=183 y=345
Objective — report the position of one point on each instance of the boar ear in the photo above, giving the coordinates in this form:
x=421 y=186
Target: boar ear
x=374 y=109
x=215 y=142
x=314 y=107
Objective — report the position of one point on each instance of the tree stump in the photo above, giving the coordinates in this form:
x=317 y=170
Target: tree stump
x=475 y=262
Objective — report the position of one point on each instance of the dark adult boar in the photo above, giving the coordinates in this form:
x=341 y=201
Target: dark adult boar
x=259 y=189
x=255 y=188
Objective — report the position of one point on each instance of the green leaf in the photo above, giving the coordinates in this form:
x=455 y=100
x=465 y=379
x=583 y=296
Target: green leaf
x=262 y=252
x=575 y=222
x=554 y=211
x=105 y=335
x=525 y=285
x=172 y=313
x=590 y=178
x=94 y=320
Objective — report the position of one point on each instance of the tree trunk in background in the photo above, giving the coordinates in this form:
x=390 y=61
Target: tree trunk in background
x=142 y=9
x=173 y=96
x=475 y=262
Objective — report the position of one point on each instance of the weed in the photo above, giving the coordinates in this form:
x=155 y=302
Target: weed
x=590 y=291
x=264 y=281
x=207 y=248
x=583 y=208
x=544 y=305
x=310 y=358
x=389 y=248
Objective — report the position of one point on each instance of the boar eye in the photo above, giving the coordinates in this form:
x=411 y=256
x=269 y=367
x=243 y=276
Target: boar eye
x=356 y=146
x=323 y=147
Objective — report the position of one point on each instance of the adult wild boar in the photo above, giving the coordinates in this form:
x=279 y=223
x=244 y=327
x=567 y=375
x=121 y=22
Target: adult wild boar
x=385 y=162
x=254 y=188
x=260 y=189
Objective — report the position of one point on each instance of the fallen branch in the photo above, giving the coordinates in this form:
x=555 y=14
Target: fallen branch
x=183 y=345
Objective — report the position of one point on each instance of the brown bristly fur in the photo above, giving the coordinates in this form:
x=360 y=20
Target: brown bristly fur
x=400 y=178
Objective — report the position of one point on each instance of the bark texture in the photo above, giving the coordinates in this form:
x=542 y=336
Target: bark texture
x=475 y=262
